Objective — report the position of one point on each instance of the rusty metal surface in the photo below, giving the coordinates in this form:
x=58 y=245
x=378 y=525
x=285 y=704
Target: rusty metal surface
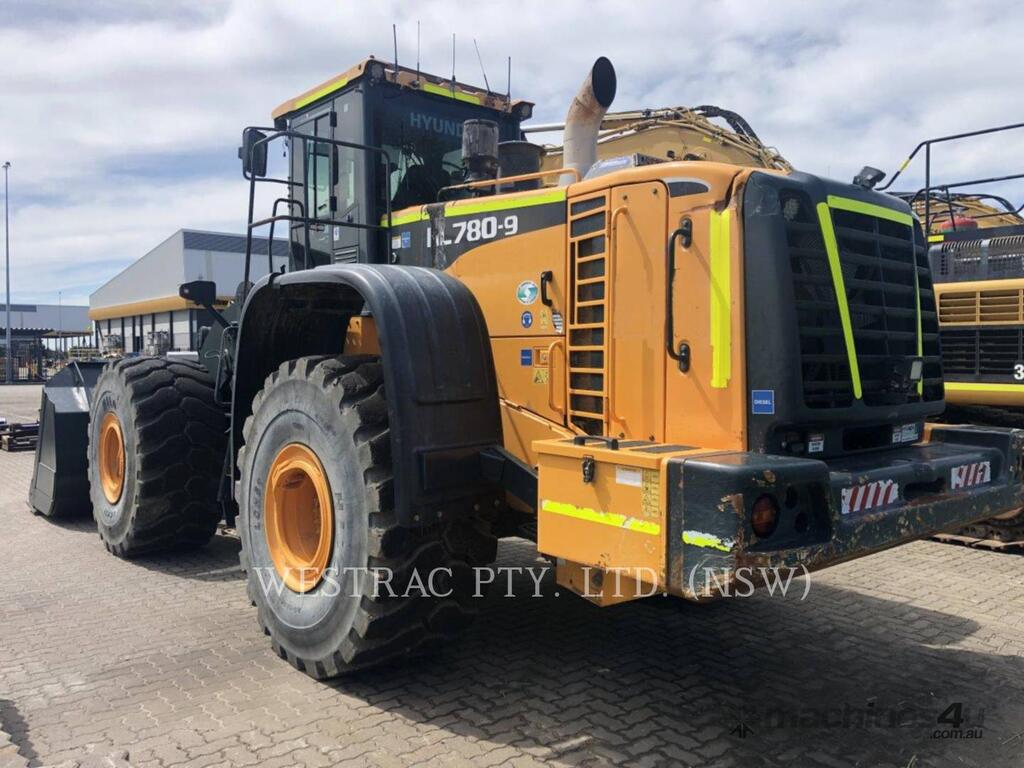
x=710 y=500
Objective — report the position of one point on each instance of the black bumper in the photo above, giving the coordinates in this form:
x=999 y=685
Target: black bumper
x=837 y=510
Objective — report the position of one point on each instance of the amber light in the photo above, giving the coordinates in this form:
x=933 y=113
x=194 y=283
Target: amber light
x=764 y=516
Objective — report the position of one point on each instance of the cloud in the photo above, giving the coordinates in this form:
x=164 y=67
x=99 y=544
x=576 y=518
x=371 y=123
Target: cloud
x=121 y=118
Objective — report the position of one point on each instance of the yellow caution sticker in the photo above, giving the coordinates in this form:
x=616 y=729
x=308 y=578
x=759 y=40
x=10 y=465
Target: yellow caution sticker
x=602 y=518
x=540 y=375
x=650 y=494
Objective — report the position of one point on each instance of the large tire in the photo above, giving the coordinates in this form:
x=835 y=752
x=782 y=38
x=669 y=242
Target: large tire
x=174 y=438
x=336 y=407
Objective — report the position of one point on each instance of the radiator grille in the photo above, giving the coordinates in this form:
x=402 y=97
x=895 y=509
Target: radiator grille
x=878 y=260
x=982 y=352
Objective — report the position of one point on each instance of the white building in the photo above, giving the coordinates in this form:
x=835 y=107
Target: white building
x=143 y=298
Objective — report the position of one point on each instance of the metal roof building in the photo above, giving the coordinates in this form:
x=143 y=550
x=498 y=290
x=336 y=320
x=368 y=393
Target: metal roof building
x=35 y=326
x=44 y=319
x=141 y=302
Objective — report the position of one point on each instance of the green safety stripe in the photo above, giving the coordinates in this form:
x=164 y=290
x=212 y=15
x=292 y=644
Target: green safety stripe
x=835 y=266
x=868 y=209
x=428 y=87
x=920 y=337
x=706 y=540
x=917 y=303
x=483 y=206
x=406 y=218
x=721 y=300
x=505 y=204
x=832 y=249
x=441 y=91
x=602 y=518
x=330 y=88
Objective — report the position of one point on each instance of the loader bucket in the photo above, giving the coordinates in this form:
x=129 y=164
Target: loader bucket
x=60 y=481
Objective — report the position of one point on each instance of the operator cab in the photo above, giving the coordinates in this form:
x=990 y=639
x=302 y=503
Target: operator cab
x=375 y=139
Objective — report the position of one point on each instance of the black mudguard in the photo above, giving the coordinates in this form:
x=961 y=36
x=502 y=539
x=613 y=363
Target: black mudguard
x=438 y=368
x=60 y=479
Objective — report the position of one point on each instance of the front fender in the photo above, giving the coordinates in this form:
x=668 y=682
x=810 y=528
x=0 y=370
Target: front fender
x=438 y=369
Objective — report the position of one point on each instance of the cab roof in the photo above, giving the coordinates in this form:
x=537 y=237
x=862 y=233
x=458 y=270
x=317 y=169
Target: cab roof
x=403 y=76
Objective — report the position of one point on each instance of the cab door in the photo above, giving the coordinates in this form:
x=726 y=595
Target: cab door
x=311 y=163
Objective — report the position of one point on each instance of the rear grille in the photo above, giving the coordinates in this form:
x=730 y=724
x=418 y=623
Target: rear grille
x=998 y=306
x=588 y=326
x=985 y=353
x=878 y=259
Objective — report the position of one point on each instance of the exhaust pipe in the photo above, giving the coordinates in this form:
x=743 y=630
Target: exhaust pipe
x=583 y=122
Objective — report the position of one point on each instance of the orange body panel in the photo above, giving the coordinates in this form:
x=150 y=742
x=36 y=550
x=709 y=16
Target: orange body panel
x=638 y=391
x=636 y=357
x=615 y=522
x=494 y=272
x=595 y=360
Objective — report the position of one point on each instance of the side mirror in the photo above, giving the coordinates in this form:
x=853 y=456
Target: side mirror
x=202 y=292
x=253 y=152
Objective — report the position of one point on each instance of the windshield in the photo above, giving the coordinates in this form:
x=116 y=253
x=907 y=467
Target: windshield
x=423 y=139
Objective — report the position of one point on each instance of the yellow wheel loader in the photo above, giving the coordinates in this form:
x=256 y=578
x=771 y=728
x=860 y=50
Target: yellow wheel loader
x=654 y=369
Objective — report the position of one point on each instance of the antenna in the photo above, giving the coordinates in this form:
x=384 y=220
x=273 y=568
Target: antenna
x=487 y=85
x=508 y=92
x=453 y=63
x=394 y=35
x=417 y=50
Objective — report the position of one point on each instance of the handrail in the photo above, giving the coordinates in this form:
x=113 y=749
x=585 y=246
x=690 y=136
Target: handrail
x=509 y=179
x=269 y=135
x=927 y=146
x=685 y=232
x=609 y=315
x=941 y=139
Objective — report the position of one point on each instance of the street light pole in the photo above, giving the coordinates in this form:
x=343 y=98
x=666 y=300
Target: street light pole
x=8 y=368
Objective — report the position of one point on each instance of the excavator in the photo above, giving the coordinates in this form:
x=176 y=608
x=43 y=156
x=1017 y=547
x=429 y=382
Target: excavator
x=662 y=369
x=976 y=254
x=674 y=133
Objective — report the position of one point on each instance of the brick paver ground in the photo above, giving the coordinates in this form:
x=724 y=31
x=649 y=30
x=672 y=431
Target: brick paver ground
x=162 y=657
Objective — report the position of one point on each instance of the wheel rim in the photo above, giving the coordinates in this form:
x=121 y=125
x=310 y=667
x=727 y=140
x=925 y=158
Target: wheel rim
x=111 y=457
x=299 y=517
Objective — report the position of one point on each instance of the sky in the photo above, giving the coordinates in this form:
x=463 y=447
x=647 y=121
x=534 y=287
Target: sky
x=121 y=118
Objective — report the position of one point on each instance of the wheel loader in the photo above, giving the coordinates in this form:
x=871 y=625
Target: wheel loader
x=976 y=254
x=662 y=368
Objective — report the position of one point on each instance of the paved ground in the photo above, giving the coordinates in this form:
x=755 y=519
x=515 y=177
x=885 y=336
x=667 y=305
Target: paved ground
x=19 y=403
x=162 y=658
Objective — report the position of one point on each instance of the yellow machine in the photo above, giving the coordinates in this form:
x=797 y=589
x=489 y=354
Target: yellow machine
x=671 y=375
x=675 y=133
x=976 y=254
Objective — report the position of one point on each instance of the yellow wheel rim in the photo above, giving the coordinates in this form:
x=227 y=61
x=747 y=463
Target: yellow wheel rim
x=299 y=517
x=111 y=457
